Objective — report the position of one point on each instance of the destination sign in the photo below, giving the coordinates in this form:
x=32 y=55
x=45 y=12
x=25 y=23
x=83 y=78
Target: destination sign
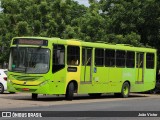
x=29 y=41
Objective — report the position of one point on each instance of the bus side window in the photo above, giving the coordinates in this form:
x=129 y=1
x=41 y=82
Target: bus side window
x=73 y=55
x=130 y=59
x=99 y=57
x=150 y=61
x=109 y=58
x=120 y=58
x=58 y=57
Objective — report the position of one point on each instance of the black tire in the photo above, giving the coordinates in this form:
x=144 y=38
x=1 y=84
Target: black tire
x=12 y=92
x=34 y=96
x=94 y=94
x=70 y=91
x=1 y=88
x=125 y=90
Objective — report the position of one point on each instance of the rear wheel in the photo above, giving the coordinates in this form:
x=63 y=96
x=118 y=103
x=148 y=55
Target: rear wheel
x=1 y=88
x=70 y=91
x=34 y=96
x=125 y=90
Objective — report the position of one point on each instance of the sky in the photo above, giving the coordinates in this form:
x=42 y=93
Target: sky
x=85 y=2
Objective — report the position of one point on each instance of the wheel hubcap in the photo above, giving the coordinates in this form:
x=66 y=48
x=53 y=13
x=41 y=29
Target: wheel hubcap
x=125 y=90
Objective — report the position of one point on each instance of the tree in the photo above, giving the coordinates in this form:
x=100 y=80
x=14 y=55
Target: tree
x=37 y=18
x=138 y=16
x=133 y=22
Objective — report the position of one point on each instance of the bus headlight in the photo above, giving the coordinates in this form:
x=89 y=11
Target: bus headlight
x=43 y=83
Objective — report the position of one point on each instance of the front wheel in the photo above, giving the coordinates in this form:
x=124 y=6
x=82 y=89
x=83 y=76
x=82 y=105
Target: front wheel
x=1 y=88
x=125 y=90
x=34 y=96
x=70 y=91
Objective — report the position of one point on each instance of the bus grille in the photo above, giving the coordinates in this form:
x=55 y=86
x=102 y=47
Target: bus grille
x=26 y=77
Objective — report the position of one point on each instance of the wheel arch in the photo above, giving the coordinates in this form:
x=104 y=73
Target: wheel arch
x=75 y=85
x=128 y=83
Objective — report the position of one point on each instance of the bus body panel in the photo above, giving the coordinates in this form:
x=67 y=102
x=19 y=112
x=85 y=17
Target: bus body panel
x=90 y=79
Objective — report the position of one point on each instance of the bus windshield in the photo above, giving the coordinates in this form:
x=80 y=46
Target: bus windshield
x=29 y=60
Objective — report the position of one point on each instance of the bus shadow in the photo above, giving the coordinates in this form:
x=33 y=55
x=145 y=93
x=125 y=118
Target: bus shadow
x=77 y=97
x=107 y=97
x=46 y=98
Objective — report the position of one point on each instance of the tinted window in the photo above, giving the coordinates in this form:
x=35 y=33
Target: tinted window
x=150 y=60
x=120 y=58
x=109 y=58
x=58 y=58
x=73 y=55
x=99 y=57
x=130 y=59
x=58 y=55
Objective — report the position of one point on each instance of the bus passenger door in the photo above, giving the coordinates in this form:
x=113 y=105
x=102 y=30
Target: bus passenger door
x=140 y=67
x=58 y=68
x=86 y=71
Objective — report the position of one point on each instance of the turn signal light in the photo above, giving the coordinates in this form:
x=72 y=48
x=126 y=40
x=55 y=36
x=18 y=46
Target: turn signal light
x=25 y=89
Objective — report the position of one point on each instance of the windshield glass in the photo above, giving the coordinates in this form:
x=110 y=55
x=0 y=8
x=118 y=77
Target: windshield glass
x=29 y=60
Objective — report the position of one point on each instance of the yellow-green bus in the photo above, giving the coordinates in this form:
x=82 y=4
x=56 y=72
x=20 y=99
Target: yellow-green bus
x=40 y=65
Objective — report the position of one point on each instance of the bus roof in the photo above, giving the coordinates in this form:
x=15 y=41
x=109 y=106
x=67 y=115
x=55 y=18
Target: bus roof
x=97 y=44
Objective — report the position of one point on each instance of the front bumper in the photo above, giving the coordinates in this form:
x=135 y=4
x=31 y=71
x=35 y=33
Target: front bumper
x=46 y=87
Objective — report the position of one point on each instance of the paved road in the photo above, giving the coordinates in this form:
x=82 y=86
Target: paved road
x=21 y=100
x=136 y=102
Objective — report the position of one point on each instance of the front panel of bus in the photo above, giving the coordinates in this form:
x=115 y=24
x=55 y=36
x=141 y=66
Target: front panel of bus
x=30 y=66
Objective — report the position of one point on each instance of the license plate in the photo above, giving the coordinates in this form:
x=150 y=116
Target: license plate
x=25 y=89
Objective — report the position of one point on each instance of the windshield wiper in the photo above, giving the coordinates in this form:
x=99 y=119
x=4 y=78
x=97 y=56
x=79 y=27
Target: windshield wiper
x=19 y=69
